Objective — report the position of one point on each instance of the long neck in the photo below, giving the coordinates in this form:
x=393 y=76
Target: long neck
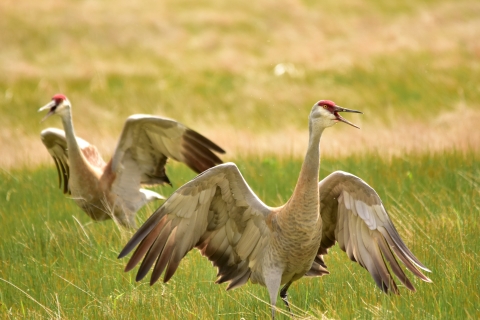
x=74 y=153
x=307 y=184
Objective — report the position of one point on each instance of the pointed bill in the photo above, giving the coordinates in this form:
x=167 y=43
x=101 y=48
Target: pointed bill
x=342 y=119
x=49 y=107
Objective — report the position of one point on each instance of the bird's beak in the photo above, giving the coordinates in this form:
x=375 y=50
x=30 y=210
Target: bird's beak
x=49 y=107
x=340 y=118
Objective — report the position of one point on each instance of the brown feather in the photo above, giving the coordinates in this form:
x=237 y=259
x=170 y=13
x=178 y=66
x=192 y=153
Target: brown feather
x=58 y=173
x=239 y=280
x=230 y=274
x=225 y=262
x=155 y=250
x=163 y=256
x=65 y=174
x=200 y=150
x=238 y=273
x=204 y=141
x=316 y=270
x=392 y=231
x=174 y=262
x=197 y=160
x=387 y=281
x=215 y=242
x=402 y=257
x=142 y=232
x=145 y=245
x=218 y=254
x=388 y=255
x=161 y=262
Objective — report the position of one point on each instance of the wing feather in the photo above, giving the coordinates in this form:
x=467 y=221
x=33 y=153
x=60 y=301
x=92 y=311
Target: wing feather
x=164 y=257
x=155 y=251
x=203 y=141
x=402 y=256
x=218 y=251
x=240 y=277
x=153 y=138
x=342 y=210
x=215 y=242
x=217 y=213
x=56 y=144
x=145 y=145
x=354 y=216
x=386 y=252
x=145 y=245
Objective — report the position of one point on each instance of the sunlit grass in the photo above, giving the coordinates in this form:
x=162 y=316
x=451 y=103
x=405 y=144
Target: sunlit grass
x=57 y=256
x=218 y=68
x=245 y=74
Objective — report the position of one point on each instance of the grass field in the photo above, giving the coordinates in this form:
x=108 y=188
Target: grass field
x=248 y=71
x=245 y=75
x=59 y=265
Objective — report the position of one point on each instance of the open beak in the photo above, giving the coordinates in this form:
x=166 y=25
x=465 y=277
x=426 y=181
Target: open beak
x=49 y=107
x=342 y=119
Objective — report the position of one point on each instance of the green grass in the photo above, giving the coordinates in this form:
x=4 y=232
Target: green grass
x=51 y=253
x=409 y=66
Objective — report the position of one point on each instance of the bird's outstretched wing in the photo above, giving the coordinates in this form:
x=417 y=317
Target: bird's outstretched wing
x=145 y=145
x=54 y=141
x=353 y=215
x=150 y=140
x=217 y=213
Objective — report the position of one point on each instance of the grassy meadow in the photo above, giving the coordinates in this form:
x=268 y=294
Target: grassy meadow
x=245 y=75
x=55 y=263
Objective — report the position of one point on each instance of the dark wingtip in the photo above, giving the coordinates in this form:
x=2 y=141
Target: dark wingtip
x=204 y=141
x=167 y=181
x=124 y=252
x=142 y=232
x=130 y=265
x=140 y=275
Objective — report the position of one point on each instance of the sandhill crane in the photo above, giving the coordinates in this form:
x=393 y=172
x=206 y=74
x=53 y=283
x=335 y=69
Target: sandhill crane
x=112 y=190
x=219 y=214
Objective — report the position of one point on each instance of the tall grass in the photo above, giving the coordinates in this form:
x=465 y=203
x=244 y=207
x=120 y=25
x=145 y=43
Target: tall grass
x=245 y=75
x=55 y=263
x=237 y=69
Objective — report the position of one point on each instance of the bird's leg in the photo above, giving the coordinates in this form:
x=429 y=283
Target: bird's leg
x=283 y=295
x=272 y=282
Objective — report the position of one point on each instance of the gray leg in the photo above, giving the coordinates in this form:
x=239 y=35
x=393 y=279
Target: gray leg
x=272 y=281
x=283 y=295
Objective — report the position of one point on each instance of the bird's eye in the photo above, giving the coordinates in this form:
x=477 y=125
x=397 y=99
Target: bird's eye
x=324 y=106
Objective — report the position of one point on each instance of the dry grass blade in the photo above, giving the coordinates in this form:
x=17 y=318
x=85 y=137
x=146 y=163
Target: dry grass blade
x=50 y=313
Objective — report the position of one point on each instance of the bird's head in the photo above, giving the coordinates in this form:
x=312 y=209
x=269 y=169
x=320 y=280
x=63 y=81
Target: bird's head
x=59 y=105
x=325 y=114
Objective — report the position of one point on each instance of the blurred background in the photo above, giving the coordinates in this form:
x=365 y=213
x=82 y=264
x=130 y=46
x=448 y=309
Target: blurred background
x=245 y=74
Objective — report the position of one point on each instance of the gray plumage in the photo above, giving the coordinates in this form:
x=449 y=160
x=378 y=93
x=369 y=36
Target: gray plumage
x=219 y=214
x=113 y=190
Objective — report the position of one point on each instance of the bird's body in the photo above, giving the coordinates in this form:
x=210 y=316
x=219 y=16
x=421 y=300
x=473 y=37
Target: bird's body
x=218 y=213
x=112 y=190
x=294 y=237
